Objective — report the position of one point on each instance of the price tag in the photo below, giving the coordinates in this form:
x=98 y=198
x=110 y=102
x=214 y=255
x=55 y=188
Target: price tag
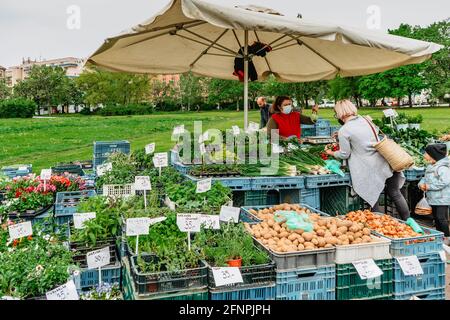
x=202 y=148
x=188 y=222
x=142 y=183
x=236 y=130
x=20 y=230
x=229 y=213
x=137 y=226
x=150 y=148
x=390 y=113
x=203 y=185
x=367 y=269
x=178 y=129
x=169 y=203
x=98 y=258
x=227 y=276
x=160 y=160
x=292 y=147
x=67 y=291
x=104 y=168
x=410 y=265
x=80 y=218
x=277 y=148
x=443 y=256
x=46 y=174
x=210 y=221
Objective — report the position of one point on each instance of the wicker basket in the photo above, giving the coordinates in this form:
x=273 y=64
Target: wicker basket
x=394 y=154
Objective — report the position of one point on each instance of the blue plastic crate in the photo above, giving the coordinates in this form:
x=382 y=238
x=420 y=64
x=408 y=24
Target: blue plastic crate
x=414 y=174
x=310 y=197
x=308 y=130
x=67 y=202
x=182 y=168
x=326 y=180
x=307 y=284
x=270 y=183
x=236 y=184
x=256 y=293
x=435 y=294
x=103 y=149
x=334 y=129
x=110 y=274
x=433 y=276
x=322 y=123
x=13 y=171
x=41 y=217
x=430 y=242
x=322 y=131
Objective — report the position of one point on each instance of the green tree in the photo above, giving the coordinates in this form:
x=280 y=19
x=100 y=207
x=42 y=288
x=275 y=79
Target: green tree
x=344 y=88
x=5 y=91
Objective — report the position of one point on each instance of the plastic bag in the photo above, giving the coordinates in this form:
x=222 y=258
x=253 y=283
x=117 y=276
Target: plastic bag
x=422 y=207
x=334 y=166
x=294 y=220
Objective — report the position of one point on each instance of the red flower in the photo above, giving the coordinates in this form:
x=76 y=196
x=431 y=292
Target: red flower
x=18 y=193
x=15 y=242
x=30 y=238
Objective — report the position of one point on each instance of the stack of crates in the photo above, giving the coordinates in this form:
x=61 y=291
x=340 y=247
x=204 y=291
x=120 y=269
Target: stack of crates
x=103 y=149
x=340 y=200
x=349 y=285
x=67 y=202
x=427 y=247
x=18 y=170
x=321 y=128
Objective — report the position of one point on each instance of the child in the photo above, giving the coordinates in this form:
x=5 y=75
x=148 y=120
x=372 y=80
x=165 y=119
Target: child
x=436 y=183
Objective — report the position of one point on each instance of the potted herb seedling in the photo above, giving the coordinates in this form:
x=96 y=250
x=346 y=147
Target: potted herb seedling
x=415 y=121
x=401 y=122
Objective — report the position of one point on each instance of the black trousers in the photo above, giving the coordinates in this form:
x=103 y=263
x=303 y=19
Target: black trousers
x=440 y=215
x=393 y=191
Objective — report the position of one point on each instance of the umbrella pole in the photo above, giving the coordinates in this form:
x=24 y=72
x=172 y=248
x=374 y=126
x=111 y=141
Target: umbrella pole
x=245 y=79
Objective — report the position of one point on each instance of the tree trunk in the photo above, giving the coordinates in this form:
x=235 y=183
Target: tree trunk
x=410 y=99
x=237 y=105
x=306 y=103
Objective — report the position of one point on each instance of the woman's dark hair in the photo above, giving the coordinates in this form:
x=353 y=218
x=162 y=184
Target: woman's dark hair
x=276 y=106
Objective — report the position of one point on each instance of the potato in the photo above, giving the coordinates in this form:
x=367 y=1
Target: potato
x=287 y=242
x=284 y=225
x=343 y=237
x=271 y=242
x=366 y=231
x=342 y=229
x=257 y=234
x=299 y=231
x=301 y=239
x=270 y=222
x=366 y=239
x=358 y=234
x=345 y=242
x=273 y=233
x=283 y=234
x=340 y=223
x=265 y=241
x=350 y=238
x=307 y=236
x=321 y=242
x=328 y=245
x=338 y=233
x=322 y=222
x=295 y=242
x=267 y=235
x=309 y=246
x=357 y=241
x=347 y=223
x=277 y=227
x=264 y=224
x=315 y=241
x=321 y=232
x=292 y=236
x=301 y=247
x=327 y=234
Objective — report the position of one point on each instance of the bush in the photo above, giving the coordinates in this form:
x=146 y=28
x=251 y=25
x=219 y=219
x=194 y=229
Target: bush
x=17 y=108
x=125 y=110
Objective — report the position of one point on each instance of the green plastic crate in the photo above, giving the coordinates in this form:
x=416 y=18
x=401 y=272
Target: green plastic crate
x=349 y=286
x=339 y=200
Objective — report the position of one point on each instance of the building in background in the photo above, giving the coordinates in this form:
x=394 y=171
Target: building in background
x=72 y=66
x=2 y=73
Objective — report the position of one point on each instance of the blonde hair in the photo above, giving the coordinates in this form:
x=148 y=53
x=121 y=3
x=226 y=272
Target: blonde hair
x=345 y=108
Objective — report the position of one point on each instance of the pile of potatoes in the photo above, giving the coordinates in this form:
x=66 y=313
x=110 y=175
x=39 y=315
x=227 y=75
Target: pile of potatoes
x=328 y=232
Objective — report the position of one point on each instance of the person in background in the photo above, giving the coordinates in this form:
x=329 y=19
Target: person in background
x=436 y=184
x=369 y=171
x=264 y=110
x=286 y=120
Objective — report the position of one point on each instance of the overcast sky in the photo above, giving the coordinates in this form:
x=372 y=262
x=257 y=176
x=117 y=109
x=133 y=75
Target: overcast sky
x=38 y=28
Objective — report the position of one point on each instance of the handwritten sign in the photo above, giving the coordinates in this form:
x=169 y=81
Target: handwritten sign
x=410 y=265
x=104 y=168
x=228 y=213
x=142 y=183
x=390 y=113
x=98 y=258
x=210 y=221
x=20 y=230
x=137 y=226
x=80 y=218
x=160 y=160
x=236 y=130
x=189 y=222
x=367 y=269
x=46 y=174
x=150 y=148
x=204 y=185
x=67 y=291
x=227 y=276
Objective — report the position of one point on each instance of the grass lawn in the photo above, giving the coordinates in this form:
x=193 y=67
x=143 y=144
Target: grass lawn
x=45 y=142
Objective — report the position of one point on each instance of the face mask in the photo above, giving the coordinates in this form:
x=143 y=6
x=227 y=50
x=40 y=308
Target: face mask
x=287 y=109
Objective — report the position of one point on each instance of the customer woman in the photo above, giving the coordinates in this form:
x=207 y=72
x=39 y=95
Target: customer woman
x=369 y=171
x=286 y=120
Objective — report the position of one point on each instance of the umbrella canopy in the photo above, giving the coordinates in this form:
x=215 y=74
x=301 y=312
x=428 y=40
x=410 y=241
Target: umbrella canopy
x=205 y=38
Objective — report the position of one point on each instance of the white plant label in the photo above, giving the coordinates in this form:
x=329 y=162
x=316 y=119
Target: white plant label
x=210 y=221
x=142 y=183
x=178 y=129
x=23 y=169
x=443 y=256
x=46 y=174
x=20 y=230
x=80 y=218
x=277 y=148
x=150 y=148
x=236 y=130
x=204 y=185
x=390 y=113
x=410 y=265
x=367 y=269
x=137 y=226
x=228 y=213
x=104 y=168
x=227 y=276
x=67 y=291
x=169 y=203
x=188 y=222
x=202 y=148
x=98 y=258
x=160 y=160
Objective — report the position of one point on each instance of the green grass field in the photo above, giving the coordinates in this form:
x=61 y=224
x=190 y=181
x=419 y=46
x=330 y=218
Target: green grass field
x=45 y=142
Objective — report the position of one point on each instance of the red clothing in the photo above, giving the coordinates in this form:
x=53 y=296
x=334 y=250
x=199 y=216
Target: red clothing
x=288 y=124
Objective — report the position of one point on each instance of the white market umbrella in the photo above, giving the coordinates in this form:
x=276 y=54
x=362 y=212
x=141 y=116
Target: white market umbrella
x=205 y=38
